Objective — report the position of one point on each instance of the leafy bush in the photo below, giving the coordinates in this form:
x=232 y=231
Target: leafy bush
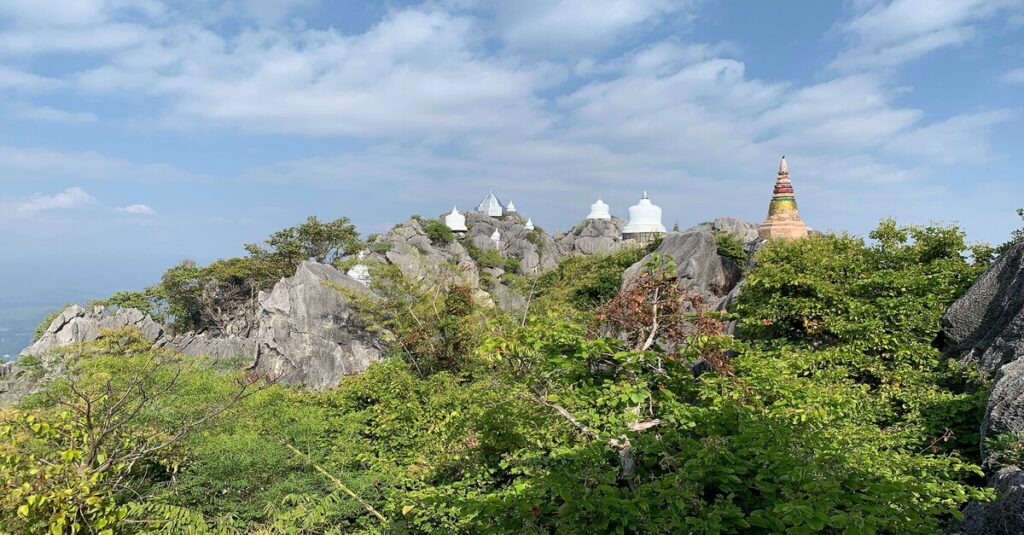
x=489 y=257
x=586 y=282
x=731 y=247
x=1016 y=237
x=438 y=232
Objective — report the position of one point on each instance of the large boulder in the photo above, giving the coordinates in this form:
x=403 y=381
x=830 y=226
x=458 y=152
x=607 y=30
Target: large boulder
x=75 y=324
x=309 y=332
x=1003 y=516
x=699 y=266
x=742 y=230
x=591 y=236
x=985 y=329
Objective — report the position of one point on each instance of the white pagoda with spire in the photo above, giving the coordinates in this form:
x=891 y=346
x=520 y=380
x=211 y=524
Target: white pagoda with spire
x=456 y=221
x=644 y=221
x=529 y=224
x=510 y=208
x=599 y=210
x=491 y=205
x=496 y=238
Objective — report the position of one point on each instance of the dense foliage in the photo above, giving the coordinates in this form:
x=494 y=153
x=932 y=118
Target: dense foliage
x=604 y=409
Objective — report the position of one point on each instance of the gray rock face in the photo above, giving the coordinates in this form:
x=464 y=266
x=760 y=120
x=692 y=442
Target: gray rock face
x=985 y=328
x=745 y=232
x=591 y=236
x=308 y=331
x=1005 y=410
x=535 y=249
x=1006 y=514
x=699 y=266
x=217 y=348
x=986 y=325
x=75 y=324
x=410 y=249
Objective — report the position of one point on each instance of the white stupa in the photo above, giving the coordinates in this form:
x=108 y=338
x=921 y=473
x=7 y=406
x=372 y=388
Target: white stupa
x=456 y=221
x=496 y=238
x=529 y=224
x=644 y=221
x=491 y=205
x=511 y=207
x=599 y=210
x=360 y=272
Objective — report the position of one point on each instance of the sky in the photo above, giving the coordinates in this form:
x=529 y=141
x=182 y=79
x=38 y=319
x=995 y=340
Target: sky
x=135 y=133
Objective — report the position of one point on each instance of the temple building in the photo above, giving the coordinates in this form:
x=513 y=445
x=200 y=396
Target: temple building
x=491 y=205
x=599 y=210
x=456 y=221
x=644 y=221
x=783 y=218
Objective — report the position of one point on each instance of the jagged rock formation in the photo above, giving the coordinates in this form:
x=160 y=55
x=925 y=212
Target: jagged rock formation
x=985 y=328
x=309 y=333
x=743 y=231
x=76 y=324
x=306 y=331
x=699 y=266
x=591 y=236
x=535 y=249
x=408 y=247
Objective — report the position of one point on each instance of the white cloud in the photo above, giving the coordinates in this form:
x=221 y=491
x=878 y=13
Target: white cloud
x=416 y=73
x=52 y=115
x=36 y=164
x=959 y=139
x=17 y=80
x=563 y=27
x=136 y=209
x=70 y=198
x=887 y=34
x=1015 y=76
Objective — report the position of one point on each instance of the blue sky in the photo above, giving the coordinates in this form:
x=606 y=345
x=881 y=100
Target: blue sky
x=134 y=133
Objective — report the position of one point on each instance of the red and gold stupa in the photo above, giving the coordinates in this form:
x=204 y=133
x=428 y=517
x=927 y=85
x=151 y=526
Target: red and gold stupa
x=783 y=218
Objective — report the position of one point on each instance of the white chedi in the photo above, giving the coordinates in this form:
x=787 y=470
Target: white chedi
x=511 y=207
x=529 y=224
x=496 y=237
x=644 y=217
x=456 y=221
x=599 y=210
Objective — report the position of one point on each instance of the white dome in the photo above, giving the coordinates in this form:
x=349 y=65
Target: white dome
x=456 y=221
x=599 y=210
x=511 y=207
x=529 y=224
x=644 y=217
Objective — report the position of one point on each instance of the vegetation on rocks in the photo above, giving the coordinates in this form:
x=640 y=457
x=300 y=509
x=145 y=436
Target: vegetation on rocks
x=602 y=409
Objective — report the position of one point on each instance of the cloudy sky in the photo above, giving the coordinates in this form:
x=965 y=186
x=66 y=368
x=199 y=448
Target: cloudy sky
x=134 y=133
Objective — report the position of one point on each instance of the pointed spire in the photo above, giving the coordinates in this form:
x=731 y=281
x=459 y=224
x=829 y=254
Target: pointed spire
x=645 y=195
x=529 y=224
x=783 y=218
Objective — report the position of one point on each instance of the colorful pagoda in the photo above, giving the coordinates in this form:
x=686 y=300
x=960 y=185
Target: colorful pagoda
x=783 y=218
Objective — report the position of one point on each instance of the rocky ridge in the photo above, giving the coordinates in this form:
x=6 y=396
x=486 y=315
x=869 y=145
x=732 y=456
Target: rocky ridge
x=985 y=329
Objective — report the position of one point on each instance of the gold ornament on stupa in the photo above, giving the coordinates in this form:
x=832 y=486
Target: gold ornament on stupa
x=783 y=218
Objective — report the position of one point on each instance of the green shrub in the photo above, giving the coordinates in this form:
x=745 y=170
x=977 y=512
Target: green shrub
x=438 y=232
x=731 y=247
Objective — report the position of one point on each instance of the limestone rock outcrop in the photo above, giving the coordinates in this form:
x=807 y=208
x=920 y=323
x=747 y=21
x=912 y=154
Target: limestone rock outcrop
x=985 y=329
x=591 y=236
x=742 y=230
x=308 y=332
x=76 y=324
x=699 y=266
